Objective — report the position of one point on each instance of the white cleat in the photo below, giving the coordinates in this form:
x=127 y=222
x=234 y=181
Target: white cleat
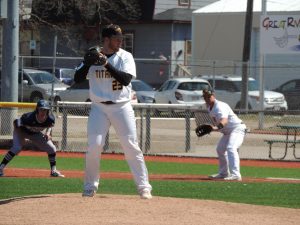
x=233 y=177
x=56 y=173
x=145 y=194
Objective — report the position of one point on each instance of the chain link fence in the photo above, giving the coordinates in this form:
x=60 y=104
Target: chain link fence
x=155 y=71
x=168 y=130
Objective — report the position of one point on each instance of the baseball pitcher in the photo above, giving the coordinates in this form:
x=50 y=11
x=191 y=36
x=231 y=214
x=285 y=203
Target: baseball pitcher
x=110 y=70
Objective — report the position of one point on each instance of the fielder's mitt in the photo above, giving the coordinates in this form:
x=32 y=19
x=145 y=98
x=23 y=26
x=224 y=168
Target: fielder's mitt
x=94 y=57
x=203 y=129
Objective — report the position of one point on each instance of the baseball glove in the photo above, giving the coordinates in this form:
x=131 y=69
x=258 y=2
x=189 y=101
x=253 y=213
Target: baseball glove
x=94 y=57
x=203 y=129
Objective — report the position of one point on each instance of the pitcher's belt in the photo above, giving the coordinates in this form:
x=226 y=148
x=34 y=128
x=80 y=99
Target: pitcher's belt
x=108 y=103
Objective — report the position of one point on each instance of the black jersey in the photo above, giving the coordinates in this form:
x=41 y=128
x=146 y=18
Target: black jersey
x=29 y=123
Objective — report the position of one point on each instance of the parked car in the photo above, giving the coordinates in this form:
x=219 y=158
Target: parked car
x=228 y=89
x=37 y=84
x=291 y=92
x=65 y=75
x=182 y=91
x=79 y=92
x=145 y=93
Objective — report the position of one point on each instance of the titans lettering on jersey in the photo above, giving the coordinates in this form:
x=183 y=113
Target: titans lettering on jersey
x=30 y=124
x=102 y=74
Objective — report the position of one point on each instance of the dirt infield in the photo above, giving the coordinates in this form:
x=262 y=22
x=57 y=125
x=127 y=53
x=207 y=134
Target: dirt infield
x=131 y=210
x=121 y=209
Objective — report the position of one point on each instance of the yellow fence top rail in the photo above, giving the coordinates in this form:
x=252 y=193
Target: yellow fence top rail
x=17 y=104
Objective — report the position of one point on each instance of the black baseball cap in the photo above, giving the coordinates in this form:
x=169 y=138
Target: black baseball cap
x=111 y=30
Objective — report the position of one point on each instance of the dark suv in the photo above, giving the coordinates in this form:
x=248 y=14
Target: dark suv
x=291 y=92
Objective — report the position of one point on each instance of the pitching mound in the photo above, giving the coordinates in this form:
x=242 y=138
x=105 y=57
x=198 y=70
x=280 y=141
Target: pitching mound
x=120 y=209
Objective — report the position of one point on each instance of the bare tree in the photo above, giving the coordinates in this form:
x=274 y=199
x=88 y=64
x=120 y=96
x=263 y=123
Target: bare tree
x=74 y=18
x=88 y=12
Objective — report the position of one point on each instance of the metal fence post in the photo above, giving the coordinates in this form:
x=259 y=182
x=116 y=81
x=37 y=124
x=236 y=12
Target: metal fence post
x=64 y=129
x=141 y=129
x=148 y=130
x=187 y=130
x=106 y=145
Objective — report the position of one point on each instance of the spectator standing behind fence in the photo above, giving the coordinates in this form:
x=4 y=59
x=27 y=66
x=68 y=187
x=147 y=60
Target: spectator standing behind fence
x=30 y=126
x=233 y=130
x=110 y=70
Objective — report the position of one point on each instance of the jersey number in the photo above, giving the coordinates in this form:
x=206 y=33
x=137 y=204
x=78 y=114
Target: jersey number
x=116 y=85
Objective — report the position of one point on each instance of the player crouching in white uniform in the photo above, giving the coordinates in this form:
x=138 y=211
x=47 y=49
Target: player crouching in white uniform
x=110 y=70
x=233 y=129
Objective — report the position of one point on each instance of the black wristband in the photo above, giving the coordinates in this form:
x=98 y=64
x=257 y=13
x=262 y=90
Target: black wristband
x=220 y=126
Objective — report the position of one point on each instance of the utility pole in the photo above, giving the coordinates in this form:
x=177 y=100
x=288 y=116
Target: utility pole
x=10 y=64
x=246 y=54
x=261 y=75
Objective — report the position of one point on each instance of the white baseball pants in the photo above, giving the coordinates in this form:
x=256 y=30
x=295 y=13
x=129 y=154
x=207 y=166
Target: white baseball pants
x=227 y=149
x=121 y=117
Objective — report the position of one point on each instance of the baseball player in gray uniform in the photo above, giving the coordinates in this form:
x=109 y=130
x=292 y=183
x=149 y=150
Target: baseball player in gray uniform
x=233 y=130
x=110 y=70
x=30 y=126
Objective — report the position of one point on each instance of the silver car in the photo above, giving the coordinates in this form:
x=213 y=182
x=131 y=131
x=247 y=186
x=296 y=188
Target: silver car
x=78 y=92
x=144 y=92
x=37 y=84
x=182 y=91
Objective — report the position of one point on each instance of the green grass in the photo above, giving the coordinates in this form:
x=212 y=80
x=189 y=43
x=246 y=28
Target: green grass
x=153 y=167
x=272 y=194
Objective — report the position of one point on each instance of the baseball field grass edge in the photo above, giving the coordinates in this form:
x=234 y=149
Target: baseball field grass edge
x=108 y=165
x=269 y=194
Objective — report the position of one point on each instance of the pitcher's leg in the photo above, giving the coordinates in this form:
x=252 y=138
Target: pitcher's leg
x=92 y=162
x=124 y=123
x=136 y=162
x=98 y=126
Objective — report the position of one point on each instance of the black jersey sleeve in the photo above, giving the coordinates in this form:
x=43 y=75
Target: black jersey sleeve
x=81 y=72
x=123 y=77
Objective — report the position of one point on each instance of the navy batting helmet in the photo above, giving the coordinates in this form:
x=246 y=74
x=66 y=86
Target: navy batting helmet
x=43 y=104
